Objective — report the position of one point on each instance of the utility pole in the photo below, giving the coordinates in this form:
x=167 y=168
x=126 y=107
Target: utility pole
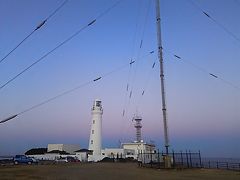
x=160 y=56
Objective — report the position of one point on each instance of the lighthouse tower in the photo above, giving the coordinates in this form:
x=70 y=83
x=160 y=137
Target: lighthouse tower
x=95 y=141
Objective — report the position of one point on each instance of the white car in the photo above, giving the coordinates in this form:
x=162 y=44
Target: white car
x=62 y=159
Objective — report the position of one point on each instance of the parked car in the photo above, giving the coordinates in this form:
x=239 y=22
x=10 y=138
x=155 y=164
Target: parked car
x=34 y=160
x=67 y=159
x=22 y=159
x=61 y=160
x=72 y=159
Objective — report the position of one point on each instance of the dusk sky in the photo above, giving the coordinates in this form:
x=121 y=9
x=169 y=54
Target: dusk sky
x=203 y=111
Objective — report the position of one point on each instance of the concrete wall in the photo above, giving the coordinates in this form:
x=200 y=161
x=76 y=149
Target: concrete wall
x=95 y=158
x=51 y=157
x=52 y=147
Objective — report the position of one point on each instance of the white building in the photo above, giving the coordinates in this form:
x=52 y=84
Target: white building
x=68 y=148
x=95 y=140
x=117 y=152
x=83 y=154
x=139 y=148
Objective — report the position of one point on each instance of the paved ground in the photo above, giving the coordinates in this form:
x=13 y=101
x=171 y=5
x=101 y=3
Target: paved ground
x=109 y=171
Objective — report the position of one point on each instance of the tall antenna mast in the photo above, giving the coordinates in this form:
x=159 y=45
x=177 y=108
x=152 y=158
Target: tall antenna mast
x=138 y=126
x=160 y=56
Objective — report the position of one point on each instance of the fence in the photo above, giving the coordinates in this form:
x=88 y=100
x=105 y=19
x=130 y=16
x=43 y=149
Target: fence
x=182 y=160
x=221 y=165
x=6 y=160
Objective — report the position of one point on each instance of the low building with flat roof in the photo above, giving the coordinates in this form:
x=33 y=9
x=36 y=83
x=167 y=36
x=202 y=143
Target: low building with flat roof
x=139 y=148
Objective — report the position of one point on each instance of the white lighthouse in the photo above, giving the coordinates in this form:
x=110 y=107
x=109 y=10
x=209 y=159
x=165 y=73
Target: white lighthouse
x=95 y=140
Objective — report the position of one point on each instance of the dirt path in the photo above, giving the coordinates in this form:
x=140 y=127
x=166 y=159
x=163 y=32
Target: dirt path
x=109 y=171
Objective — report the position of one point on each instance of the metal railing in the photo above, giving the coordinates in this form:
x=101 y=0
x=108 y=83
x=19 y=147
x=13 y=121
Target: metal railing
x=221 y=165
x=180 y=160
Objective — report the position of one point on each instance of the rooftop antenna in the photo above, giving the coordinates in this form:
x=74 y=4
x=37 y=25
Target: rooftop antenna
x=160 y=56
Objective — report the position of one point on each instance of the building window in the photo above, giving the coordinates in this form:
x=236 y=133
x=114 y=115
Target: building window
x=93 y=122
x=91 y=141
x=92 y=131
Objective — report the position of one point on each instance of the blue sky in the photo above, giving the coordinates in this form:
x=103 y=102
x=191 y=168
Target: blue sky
x=203 y=112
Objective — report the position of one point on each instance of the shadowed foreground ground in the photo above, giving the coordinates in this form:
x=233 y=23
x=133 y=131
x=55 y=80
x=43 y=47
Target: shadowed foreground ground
x=109 y=171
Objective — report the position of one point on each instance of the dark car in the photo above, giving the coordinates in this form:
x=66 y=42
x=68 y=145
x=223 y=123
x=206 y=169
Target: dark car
x=72 y=159
x=22 y=159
